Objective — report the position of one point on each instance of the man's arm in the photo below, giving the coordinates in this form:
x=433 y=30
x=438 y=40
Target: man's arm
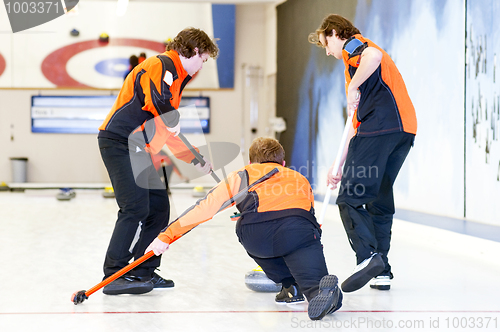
x=370 y=60
x=199 y=213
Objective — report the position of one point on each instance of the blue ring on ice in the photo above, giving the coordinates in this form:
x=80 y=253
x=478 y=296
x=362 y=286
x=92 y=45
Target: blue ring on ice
x=116 y=67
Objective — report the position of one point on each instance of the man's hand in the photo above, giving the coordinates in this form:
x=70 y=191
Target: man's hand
x=157 y=246
x=332 y=180
x=204 y=169
x=353 y=97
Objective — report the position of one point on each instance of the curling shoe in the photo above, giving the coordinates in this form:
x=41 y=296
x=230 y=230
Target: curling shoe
x=328 y=300
x=128 y=285
x=159 y=282
x=290 y=294
x=363 y=272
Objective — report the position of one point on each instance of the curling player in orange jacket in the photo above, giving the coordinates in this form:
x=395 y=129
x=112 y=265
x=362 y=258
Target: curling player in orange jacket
x=277 y=227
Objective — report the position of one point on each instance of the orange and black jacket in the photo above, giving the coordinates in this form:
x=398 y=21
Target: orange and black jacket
x=147 y=104
x=287 y=193
x=385 y=106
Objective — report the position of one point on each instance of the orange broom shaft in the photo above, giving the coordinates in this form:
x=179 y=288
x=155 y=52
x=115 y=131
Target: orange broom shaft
x=121 y=272
x=150 y=254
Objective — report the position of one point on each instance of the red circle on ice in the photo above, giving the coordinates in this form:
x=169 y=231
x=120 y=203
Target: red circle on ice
x=2 y=64
x=54 y=65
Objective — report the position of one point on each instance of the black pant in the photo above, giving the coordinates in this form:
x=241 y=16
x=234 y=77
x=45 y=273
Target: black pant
x=138 y=205
x=366 y=200
x=288 y=250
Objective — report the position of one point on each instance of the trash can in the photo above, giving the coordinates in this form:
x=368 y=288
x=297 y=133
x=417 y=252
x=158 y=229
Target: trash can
x=19 y=169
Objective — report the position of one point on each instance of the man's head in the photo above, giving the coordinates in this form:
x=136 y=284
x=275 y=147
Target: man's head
x=133 y=61
x=332 y=34
x=194 y=47
x=266 y=149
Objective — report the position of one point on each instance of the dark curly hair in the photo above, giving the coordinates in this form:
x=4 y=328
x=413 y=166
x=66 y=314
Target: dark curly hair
x=344 y=29
x=190 y=38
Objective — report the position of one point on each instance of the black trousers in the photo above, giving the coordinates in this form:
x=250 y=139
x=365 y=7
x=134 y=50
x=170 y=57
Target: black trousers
x=288 y=250
x=139 y=205
x=366 y=200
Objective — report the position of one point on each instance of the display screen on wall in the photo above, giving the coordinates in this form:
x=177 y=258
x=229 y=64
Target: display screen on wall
x=84 y=114
x=69 y=114
x=195 y=114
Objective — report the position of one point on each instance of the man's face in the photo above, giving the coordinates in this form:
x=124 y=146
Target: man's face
x=332 y=44
x=195 y=63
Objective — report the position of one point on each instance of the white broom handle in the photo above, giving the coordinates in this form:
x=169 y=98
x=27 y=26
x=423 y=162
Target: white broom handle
x=336 y=167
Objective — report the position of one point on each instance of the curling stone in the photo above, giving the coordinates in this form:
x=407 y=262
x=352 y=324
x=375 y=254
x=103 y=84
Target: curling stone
x=108 y=192
x=257 y=281
x=103 y=38
x=65 y=194
x=199 y=191
x=4 y=186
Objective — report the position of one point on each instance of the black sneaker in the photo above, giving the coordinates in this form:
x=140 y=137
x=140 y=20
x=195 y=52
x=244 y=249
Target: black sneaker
x=363 y=273
x=159 y=282
x=328 y=300
x=291 y=294
x=128 y=285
